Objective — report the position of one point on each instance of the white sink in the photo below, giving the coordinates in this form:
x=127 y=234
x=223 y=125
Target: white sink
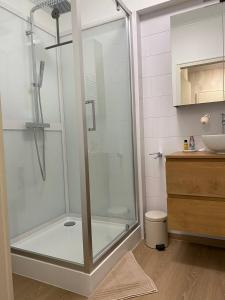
x=215 y=143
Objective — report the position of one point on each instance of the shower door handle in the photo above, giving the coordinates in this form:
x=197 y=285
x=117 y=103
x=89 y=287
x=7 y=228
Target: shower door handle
x=92 y=102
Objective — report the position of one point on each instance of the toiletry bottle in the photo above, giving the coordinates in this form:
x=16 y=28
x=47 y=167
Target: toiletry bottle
x=192 y=143
x=185 y=145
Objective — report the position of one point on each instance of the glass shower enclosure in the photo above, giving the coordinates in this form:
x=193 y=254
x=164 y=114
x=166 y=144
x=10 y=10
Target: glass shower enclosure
x=69 y=132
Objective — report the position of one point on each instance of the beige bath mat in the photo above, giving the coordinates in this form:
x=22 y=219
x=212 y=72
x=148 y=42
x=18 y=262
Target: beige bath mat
x=126 y=280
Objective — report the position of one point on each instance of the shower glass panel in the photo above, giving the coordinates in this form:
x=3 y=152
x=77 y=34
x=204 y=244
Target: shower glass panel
x=44 y=216
x=108 y=107
x=110 y=138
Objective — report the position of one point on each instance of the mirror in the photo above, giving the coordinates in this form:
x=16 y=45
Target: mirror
x=197 y=45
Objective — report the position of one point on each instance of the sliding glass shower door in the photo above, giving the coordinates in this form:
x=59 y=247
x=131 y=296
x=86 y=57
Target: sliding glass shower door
x=108 y=102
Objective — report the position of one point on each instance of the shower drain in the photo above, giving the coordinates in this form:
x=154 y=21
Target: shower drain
x=70 y=224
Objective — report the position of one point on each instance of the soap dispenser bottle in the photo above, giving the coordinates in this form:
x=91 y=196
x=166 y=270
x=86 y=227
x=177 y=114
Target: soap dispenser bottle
x=192 y=143
x=185 y=145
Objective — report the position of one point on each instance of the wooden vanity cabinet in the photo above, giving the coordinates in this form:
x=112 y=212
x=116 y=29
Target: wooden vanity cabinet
x=196 y=193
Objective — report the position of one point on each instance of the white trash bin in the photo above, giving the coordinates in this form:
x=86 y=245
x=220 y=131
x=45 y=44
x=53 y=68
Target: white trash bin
x=156 y=229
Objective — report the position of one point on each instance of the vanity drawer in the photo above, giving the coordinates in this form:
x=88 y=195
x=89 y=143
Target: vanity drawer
x=203 y=177
x=199 y=216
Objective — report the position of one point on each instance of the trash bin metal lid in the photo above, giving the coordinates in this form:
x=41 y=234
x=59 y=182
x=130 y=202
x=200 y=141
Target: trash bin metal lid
x=156 y=215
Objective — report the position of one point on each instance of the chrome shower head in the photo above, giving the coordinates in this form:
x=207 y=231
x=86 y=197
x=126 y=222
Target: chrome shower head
x=63 y=6
x=55 y=8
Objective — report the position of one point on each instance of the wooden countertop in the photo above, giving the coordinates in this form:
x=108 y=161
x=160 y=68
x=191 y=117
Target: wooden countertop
x=193 y=155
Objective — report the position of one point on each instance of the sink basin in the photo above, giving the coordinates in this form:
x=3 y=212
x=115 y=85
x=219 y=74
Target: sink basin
x=215 y=143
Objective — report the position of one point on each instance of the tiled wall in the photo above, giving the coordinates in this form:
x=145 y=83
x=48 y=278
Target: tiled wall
x=165 y=127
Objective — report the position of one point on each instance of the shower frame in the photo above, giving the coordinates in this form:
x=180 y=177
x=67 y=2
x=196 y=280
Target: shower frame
x=90 y=264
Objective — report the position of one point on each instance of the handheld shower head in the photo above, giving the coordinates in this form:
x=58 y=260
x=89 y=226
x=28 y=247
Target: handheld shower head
x=41 y=73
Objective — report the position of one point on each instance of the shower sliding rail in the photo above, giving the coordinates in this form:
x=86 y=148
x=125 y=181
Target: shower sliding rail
x=38 y=126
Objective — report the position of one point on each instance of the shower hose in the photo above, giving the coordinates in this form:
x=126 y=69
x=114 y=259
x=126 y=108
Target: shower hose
x=35 y=132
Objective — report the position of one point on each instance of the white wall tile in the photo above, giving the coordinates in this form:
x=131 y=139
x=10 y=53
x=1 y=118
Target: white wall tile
x=151 y=26
x=154 y=187
x=151 y=107
x=156 y=65
x=156 y=203
x=157 y=86
x=151 y=129
x=161 y=106
x=170 y=144
x=167 y=127
x=166 y=108
x=154 y=167
x=151 y=145
x=156 y=44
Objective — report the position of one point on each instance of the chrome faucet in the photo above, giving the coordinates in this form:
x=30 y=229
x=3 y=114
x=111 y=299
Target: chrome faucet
x=223 y=123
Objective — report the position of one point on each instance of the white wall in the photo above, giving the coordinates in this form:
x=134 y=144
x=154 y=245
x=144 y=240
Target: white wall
x=165 y=127
x=99 y=6
x=92 y=11
x=22 y=5
x=142 y=4
x=95 y=11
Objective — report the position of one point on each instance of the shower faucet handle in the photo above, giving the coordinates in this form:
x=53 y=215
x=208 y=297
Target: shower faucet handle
x=36 y=125
x=156 y=155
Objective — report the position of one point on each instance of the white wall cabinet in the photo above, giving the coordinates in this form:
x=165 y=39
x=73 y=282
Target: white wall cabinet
x=197 y=40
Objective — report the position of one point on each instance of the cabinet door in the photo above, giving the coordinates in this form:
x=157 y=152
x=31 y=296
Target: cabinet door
x=193 y=215
x=198 y=55
x=197 y=35
x=196 y=177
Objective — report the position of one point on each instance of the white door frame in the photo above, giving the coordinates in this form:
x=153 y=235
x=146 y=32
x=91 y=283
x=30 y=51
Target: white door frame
x=6 y=285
